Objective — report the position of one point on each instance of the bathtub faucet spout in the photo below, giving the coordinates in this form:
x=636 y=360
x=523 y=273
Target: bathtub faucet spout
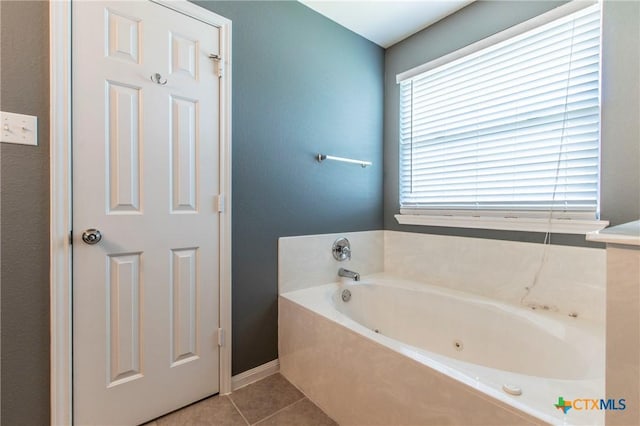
x=348 y=274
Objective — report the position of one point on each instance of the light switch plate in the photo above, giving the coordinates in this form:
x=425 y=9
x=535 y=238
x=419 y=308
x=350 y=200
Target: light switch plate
x=18 y=128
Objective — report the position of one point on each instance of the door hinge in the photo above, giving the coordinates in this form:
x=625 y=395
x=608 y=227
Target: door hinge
x=219 y=64
x=219 y=203
x=220 y=337
x=71 y=237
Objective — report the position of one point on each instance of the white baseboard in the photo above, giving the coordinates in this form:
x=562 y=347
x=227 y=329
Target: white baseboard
x=260 y=372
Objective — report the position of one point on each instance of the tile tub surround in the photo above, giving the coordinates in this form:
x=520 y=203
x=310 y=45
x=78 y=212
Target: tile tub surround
x=571 y=280
x=623 y=332
x=306 y=261
x=386 y=389
x=623 y=319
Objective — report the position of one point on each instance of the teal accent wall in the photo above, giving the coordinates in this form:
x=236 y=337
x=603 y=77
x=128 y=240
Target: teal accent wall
x=302 y=85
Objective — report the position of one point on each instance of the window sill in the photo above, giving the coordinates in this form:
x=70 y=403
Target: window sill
x=560 y=226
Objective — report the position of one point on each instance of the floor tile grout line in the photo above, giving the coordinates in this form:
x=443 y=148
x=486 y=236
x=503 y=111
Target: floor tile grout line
x=282 y=409
x=238 y=410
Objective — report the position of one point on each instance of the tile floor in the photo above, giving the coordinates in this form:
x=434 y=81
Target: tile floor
x=272 y=401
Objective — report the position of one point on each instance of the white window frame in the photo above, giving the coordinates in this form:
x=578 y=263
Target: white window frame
x=542 y=221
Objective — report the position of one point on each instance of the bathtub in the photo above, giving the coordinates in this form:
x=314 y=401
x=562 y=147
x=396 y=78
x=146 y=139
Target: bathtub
x=402 y=352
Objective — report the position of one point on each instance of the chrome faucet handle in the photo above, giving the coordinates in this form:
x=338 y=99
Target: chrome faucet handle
x=341 y=249
x=346 y=250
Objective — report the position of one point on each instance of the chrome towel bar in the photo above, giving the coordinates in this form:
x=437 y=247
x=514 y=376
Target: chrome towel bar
x=322 y=157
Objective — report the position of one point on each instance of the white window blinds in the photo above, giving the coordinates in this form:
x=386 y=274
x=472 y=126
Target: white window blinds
x=512 y=127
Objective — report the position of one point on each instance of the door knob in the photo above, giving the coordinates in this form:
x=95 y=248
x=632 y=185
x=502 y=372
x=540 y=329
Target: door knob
x=91 y=236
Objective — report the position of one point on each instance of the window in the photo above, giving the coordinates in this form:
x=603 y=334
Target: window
x=510 y=130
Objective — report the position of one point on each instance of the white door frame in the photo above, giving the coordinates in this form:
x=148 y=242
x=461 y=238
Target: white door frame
x=60 y=204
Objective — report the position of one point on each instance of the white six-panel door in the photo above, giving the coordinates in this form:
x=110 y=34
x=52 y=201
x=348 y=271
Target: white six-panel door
x=146 y=175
